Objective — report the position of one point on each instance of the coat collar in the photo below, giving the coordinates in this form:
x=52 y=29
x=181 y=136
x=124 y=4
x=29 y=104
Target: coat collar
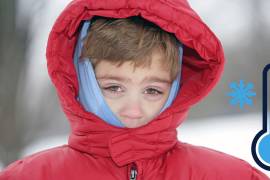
x=126 y=145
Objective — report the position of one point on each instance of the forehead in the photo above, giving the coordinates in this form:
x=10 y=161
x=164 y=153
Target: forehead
x=127 y=70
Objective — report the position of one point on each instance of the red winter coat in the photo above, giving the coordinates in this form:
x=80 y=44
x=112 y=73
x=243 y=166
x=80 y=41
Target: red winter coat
x=99 y=151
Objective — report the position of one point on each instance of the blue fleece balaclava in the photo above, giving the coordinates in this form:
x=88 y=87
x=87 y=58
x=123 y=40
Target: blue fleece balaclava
x=90 y=95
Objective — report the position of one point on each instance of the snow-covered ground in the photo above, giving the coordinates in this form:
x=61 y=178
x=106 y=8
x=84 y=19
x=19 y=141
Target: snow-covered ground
x=43 y=144
x=230 y=134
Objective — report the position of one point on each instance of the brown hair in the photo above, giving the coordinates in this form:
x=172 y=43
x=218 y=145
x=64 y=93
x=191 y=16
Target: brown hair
x=130 y=39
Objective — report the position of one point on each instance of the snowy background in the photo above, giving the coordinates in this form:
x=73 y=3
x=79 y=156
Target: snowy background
x=33 y=120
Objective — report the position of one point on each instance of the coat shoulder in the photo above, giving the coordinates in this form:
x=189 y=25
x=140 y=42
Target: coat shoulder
x=40 y=165
x=213 y=164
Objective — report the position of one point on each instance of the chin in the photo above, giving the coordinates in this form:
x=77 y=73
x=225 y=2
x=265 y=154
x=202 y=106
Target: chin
x=130 y=125
x=134 y=125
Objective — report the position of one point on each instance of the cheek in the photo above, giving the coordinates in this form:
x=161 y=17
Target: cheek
x=114 y=104
x=153 y=108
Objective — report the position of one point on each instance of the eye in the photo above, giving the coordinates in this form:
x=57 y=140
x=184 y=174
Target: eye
x=113 y=89
x=153 y=92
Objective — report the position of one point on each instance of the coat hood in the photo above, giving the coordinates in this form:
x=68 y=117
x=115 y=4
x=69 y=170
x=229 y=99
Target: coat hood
x=203 y=63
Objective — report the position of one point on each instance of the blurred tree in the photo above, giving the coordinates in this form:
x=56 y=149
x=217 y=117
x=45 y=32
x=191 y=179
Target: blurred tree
x=245 y=57
x=12 y=64
x=20 y=123
x=260 y=38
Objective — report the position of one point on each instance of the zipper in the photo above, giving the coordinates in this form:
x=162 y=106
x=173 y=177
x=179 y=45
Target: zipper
x=133 y=172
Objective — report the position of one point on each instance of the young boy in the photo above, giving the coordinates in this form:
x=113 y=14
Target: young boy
x=116 y=66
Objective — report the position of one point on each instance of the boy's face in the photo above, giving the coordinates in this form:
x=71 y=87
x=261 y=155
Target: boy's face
x=135 y=97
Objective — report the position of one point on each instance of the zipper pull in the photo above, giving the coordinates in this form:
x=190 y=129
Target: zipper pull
x=133 y=173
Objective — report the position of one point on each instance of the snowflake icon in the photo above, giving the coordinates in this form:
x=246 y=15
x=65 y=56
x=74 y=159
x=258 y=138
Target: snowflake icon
x=241 y=94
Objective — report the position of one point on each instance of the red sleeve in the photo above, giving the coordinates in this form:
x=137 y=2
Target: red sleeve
x=258 y=175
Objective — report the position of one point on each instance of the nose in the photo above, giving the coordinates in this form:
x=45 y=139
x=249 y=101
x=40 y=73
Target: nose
x=132 y=110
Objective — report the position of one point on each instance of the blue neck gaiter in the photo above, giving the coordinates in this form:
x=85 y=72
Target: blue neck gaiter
x=90 y=95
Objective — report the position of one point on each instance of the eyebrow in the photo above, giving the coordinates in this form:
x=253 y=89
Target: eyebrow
x=146 y=79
